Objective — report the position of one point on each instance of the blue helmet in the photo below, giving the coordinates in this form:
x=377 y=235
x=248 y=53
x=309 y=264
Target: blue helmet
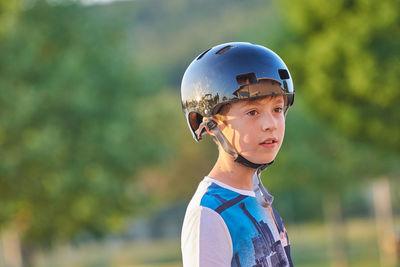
x=224 y=74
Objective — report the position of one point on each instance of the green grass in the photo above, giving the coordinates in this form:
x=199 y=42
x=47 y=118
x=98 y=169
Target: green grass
x=121 y=254
x=310 y=244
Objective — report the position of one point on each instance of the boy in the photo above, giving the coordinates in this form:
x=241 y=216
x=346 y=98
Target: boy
x=238 y=93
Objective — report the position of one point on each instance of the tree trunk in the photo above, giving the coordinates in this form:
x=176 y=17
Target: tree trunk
x=27 y=255
x=11 y=248
x=384 y=222
x=336 y=230
x=13 y=251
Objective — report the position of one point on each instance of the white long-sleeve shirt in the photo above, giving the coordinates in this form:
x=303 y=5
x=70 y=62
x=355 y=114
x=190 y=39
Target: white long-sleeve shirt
x=225 y=226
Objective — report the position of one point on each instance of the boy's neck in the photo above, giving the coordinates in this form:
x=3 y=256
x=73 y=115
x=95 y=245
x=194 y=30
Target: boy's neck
x=232 y=173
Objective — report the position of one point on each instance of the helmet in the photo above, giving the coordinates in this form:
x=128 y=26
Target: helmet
x=228 y=73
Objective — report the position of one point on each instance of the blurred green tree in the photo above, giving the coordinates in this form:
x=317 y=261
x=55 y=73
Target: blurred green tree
x=346 y=58
x=70 y=141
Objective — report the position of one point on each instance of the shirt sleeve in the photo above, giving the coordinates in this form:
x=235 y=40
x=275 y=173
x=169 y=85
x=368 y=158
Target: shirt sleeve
x=206 y=240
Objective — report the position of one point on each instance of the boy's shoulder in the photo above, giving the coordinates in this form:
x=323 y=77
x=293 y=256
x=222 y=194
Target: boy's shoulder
x=217 y=196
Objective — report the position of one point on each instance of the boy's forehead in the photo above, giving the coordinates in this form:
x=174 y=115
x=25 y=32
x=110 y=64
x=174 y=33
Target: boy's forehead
x=261 y=100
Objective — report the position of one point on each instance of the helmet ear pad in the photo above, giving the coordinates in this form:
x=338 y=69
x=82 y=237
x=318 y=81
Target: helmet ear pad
x=203 y=124
x=195 y=119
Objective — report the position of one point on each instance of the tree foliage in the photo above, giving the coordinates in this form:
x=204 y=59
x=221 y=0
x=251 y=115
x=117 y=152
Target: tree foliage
x=70 y=141
x=344 y=127
x=346 y=60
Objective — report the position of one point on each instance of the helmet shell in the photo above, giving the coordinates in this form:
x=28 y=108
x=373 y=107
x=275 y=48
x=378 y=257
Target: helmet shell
x=213 y=78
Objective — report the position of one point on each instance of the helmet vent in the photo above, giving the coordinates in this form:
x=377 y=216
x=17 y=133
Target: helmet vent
x=284 y=74
x=224 y=49
x=202 y=54
x=248 y=78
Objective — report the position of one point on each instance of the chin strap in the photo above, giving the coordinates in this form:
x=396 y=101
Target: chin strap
x=211 y=126
x=264 y=198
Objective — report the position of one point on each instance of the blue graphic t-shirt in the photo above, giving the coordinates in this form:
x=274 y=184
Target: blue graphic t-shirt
x=225 y=226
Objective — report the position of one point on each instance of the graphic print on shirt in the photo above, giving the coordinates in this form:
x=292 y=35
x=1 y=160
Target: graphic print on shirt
x=259 y=238
x=267 y=251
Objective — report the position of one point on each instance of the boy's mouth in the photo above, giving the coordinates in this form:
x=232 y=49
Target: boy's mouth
x=269 y=142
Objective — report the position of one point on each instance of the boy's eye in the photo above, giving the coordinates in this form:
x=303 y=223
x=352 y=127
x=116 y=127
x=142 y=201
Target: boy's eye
x=252 y=112
x=278 y=109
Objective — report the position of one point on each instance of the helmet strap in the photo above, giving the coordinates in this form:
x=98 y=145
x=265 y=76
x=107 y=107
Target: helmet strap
x=264 y=198
x=242 y=160
x=211 y=126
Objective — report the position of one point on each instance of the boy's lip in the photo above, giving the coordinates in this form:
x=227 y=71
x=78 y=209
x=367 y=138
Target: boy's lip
x=269 y=142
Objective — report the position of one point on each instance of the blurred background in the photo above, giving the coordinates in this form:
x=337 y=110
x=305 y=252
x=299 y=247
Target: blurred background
x=97 y=164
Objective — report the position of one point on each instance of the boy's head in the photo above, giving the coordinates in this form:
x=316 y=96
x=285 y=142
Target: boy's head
x=246 y=90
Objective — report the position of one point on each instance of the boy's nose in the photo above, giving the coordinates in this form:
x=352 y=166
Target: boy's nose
x=268 y=122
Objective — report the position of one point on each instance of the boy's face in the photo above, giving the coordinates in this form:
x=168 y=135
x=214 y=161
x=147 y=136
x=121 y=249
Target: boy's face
x=255 y=128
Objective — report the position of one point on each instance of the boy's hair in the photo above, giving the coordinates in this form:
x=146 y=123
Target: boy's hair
x=224 y=109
